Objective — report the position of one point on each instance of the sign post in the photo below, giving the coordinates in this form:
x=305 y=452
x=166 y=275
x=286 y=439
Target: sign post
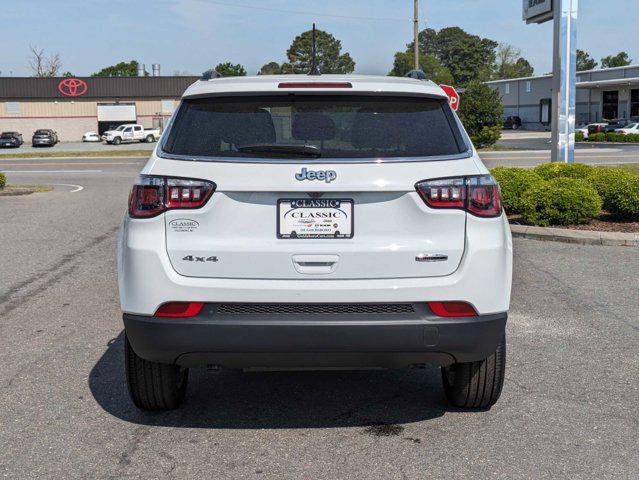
x=564 y=14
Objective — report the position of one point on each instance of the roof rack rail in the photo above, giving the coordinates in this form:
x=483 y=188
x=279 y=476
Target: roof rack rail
x=209 y=74
x=417 y=75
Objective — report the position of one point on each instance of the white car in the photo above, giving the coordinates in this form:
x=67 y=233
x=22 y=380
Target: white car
x=583 y=130
x=131 y=133
x=314 y=222
x=632 y=128
x=91 y=137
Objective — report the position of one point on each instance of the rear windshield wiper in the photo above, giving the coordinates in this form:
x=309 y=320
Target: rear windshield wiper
x=281 y=149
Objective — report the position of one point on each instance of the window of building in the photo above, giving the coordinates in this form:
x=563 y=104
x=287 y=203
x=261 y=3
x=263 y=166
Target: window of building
x=634 y=103
x=610 y=104
x=12 y=107
x=508 y=89
x=168 y=106
x=528 y=86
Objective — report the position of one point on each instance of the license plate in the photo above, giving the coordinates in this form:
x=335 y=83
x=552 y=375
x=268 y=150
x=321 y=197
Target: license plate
x=314 y=218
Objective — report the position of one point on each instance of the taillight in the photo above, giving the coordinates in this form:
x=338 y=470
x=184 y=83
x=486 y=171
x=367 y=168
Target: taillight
x=151 y=196
x=179 y=309
x=478 y=195
x=452 y=309
x=315 y=85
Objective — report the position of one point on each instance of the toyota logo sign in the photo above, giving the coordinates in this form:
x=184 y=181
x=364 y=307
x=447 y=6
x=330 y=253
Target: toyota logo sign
x=72 y=87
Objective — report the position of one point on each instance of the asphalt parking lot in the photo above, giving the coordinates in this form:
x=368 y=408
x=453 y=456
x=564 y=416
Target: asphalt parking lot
x=568 y=410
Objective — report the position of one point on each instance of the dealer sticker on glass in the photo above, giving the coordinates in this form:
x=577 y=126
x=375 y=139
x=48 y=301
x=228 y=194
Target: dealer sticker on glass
x=314 y=218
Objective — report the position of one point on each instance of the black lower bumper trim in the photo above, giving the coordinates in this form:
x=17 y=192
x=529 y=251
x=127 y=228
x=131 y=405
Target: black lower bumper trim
x=243 y=341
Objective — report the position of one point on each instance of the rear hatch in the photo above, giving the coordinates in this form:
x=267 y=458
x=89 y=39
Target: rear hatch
x=315 y=186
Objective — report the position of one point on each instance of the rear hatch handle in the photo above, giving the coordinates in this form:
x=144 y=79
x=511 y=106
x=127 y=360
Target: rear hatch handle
x=315 y=264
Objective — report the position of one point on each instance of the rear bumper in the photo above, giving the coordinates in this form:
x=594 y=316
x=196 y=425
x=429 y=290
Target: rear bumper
x=315 y=341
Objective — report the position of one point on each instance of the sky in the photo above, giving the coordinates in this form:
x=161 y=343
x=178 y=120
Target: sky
x=190 y=36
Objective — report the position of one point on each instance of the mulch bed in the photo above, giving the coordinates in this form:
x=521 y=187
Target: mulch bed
x=12 y=192
x=605 y=223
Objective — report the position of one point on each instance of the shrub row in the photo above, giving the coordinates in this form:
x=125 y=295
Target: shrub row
x=616 y=137
x=562 y=194
x=3 y=180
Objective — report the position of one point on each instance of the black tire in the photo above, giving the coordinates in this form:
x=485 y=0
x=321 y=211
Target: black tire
x=150 y=139
x=152 y=385
x=117 y=141
x=476 y=384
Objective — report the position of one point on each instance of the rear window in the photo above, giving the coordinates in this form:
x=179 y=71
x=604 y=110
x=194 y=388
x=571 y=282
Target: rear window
x=339 y=126
x=42 y=132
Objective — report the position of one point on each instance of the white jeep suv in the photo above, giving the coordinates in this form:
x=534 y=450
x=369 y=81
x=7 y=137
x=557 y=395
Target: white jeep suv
x=314 y=222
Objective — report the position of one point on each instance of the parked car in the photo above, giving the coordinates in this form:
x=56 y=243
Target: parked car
x=44 y=137
x=512 y=123
x=246 y=246
x=630 y=128
x=91 y=137
x=11 y=139
x=583 y=130
x=131 y=133
x=614 y=125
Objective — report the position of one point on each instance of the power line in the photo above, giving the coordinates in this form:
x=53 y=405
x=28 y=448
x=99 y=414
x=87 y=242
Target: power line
x=303 y=12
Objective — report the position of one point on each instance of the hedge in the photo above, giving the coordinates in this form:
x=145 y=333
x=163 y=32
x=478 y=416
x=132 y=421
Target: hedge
x=619 y=191
x=513 y=183
x=548 y=171
x=3 y=180
x=616 y=137
x=579 y=137
x=560 y=201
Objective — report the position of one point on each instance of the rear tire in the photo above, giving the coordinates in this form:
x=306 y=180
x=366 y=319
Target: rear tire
x=476 y=385
x=152 y=385
x=150 y=139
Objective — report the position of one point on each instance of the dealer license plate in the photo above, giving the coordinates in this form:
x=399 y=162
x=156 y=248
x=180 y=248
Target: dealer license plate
x=314 y=218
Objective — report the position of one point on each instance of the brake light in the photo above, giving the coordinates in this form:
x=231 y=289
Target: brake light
x=452 y=309
x=478 y=195
x=179 y=309
x=315 y=85
x=151 y=196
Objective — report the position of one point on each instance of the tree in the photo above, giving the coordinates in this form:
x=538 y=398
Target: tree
x=122 y=69
x=43 y=65
x=480 y=110
x=271 y=68
x=68 y=75
x=585 y=61
x=328 y=54
x=619 y=60
x=467 y=57
x=228 y=69
x=510 y=63
x=434 y=70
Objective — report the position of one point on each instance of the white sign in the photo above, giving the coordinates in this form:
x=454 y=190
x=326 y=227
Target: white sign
x=537 y=11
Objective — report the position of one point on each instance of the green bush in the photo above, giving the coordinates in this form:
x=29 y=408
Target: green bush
x=560 y=201
x=632 y=137
x=3 y=180
x=615 y=137
x=548 y=171
x=513 y=183
x=597 y=137
x=579 y=137
x=619 y=191
x=486 y=137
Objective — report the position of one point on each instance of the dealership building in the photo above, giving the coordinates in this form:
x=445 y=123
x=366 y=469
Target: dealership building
x=74 y=106
x=605 y=94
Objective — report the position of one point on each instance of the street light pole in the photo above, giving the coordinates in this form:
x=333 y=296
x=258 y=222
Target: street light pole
x=416 y=33
x=564 y=80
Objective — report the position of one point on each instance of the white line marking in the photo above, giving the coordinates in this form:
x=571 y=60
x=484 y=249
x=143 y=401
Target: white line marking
x=52 y=171
x=78 y=188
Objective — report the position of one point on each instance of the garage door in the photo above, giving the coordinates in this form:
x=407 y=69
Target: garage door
x=117 y=113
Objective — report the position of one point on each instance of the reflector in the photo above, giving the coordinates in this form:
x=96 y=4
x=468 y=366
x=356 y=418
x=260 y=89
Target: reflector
x=179 y=309
x=452 y=309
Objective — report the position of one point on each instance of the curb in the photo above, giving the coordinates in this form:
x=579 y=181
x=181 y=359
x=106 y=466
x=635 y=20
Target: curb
x=583 y=237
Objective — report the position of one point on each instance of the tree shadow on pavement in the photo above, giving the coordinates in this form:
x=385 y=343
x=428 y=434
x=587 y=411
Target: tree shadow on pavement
x=257 y=400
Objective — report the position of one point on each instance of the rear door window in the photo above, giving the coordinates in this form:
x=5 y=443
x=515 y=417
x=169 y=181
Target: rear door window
x=339 y=126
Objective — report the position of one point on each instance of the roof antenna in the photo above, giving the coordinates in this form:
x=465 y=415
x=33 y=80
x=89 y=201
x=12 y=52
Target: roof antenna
x=314 y=68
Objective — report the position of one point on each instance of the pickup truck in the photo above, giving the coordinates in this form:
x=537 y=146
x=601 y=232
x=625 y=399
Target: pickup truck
x=130 y=133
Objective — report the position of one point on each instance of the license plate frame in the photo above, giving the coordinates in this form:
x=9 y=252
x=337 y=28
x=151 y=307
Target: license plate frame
x=318 y=205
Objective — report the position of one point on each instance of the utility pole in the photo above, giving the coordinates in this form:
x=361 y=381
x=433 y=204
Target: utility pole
x=416 y=33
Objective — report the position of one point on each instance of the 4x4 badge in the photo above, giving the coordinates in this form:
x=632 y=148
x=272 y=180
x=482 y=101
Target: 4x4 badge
x=324 y=175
